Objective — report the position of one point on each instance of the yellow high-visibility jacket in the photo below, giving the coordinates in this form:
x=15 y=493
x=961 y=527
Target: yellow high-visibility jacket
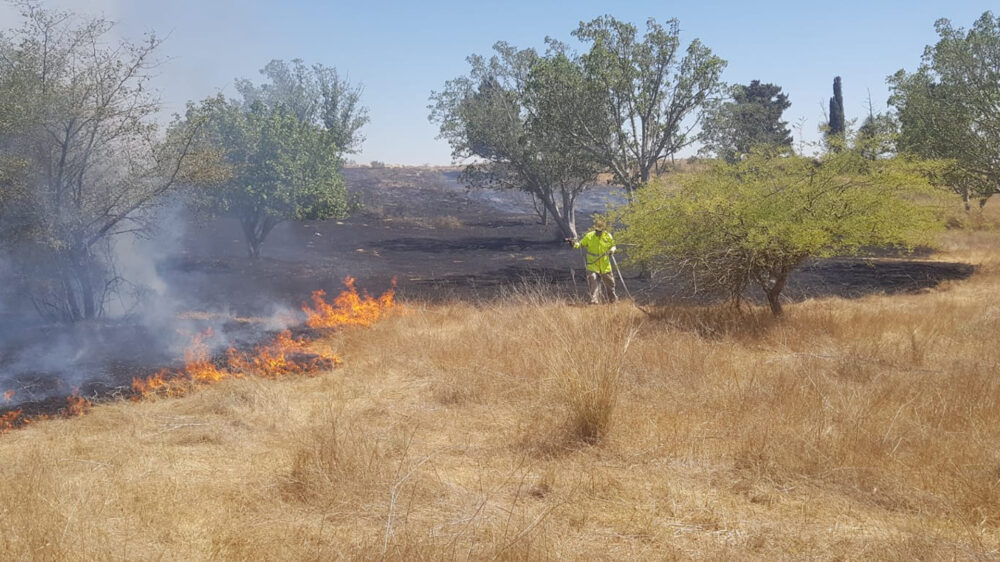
x=599 y=249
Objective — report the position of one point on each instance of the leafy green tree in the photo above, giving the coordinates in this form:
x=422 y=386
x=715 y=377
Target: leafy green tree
x=651 y=93
x=753 y=222
x=264 y=165
x=752 y=117
x=276 y=154
x=314 y=94
x=509 y=115
x=82 y=161
x=948 y=108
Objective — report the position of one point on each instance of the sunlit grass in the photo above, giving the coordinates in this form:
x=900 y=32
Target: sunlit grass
x=531 y=427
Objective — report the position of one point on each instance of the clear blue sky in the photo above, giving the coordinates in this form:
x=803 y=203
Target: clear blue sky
x=400 y=51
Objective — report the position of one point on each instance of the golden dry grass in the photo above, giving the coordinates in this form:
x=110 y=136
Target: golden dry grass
x=533 y=429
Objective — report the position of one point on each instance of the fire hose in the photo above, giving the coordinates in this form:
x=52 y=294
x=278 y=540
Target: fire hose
x=620 y=276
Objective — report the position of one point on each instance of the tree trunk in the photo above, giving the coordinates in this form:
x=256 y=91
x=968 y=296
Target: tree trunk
x=82 y=300
x=255 y=230
x=567 y=229
x=569 y=212
x=70 y=308
x=90 y=306
x=773 y=293
x=251 y=235
x=253 y=248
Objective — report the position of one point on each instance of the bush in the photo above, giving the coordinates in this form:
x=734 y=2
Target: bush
x=753 y=222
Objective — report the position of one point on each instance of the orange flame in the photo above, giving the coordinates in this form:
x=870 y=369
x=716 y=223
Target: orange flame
x=348 y=309
x=285 y=355
x=76 y=405
x=198 y=370
x=11 y=420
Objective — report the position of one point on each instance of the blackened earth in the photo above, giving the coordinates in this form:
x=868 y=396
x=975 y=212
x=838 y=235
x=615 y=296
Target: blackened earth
x=419 y=228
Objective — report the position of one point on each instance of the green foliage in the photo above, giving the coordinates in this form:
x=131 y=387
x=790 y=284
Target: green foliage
x=876 y=137
x=511 y=113
x=264 y=165
x=753 y=222
x=80 y=158
x=314 y=94
x=276 y=154
x=948 y=108
x=651 y=94
x=751 y=118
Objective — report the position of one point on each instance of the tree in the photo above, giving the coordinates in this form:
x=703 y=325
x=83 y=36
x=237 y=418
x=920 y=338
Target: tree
x=751 y=118
x=508 y=113
x=876 y=137
x=276 y=154
x=651 y=95
x=269 y=166
x=81 y=156
x=837 y=125
x=314 y=94
x=948 y=108
x=755 y=221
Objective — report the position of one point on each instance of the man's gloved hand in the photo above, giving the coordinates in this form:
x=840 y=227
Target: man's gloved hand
x=569 y=241
x=613 y=249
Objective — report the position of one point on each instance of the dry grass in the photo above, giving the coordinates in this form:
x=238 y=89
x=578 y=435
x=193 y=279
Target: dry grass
x=529 y=428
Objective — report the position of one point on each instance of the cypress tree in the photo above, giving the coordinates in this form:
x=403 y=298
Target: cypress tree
x=837 y=124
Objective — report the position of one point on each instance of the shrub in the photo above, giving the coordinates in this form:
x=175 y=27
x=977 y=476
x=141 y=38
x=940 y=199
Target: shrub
x=754 y=221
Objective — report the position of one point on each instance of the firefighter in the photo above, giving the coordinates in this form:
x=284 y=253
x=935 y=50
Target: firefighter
x=599 y=245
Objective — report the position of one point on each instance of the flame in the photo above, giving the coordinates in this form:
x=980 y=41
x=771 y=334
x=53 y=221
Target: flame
x=348 y=309
x=11 y=420
x=198 y=371
x=283 y=356
x=76 y=405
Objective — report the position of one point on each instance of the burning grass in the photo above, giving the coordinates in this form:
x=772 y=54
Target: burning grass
x=532 y=428
x=283 y=355
x=75 y=405
x=348 y=309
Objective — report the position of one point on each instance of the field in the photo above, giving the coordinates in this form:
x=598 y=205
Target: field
x=517 y=423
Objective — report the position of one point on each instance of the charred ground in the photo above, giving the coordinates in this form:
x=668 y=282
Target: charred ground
x=442 y=241
x=419 y=227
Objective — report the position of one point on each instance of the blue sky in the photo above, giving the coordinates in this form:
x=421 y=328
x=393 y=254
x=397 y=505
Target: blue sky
x=401 y=51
